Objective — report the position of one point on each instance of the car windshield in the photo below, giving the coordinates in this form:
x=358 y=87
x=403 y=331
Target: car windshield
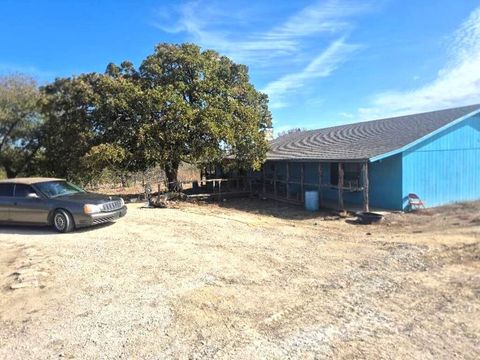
x=54 y=189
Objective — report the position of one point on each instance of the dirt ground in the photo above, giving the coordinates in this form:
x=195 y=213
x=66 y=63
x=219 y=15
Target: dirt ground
x=249 y=279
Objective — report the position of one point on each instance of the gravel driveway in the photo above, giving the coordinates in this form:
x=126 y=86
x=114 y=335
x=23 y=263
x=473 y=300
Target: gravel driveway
x=203 y=282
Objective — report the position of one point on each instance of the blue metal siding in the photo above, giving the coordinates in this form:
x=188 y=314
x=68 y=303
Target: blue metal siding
x=385 y=188
x=446 y=167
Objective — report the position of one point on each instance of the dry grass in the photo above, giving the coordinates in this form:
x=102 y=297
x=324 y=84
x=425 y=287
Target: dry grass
x=154 y=177
x=247 y=279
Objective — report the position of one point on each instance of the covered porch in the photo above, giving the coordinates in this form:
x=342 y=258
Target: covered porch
x=341 y=184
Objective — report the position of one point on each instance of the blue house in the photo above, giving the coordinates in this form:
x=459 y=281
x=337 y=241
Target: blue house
x=435 y=155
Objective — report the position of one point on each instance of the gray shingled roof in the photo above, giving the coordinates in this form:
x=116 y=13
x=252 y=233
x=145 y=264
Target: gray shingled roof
x=362 y=140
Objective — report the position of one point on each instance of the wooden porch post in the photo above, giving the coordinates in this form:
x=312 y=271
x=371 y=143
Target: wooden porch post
x=366 y=205
x=320 y=182
x=263 y=178
x=340 y=186
x=302 y=176
x=288 y=180
x=275 y=180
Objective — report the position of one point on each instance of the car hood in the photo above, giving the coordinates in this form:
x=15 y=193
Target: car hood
x=86 y=197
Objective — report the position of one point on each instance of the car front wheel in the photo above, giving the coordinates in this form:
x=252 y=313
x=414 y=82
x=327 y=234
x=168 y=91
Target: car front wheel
x=63 y=221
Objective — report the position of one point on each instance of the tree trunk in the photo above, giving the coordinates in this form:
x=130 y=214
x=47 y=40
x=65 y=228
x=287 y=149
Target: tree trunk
x=171 y=172
x=10 y=172
x=123 y=180
x=9 y=169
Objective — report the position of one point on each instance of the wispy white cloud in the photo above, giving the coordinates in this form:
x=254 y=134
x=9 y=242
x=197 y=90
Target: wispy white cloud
x=321 y=66
x=207 y=25
x=347 y=115
x=326 y=16
x=456 y=84
x=303 y=48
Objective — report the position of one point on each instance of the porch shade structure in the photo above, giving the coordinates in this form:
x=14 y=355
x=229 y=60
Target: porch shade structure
x=352 y=158
x=288 y=180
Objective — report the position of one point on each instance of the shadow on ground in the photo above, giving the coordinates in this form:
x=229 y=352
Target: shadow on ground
x=276 y=209
x=43 y=230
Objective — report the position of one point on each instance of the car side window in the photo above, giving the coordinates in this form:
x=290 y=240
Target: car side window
x=22 y=190
x=6 y=190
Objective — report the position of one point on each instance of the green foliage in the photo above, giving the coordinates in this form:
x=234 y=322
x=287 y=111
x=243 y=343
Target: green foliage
x=20 y=124
x=70 y=130
x=104 y=157
x=181 y=105
x=205 y=109
x=120 y=111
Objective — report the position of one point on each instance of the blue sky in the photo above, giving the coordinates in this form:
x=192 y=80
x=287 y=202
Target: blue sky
x=322 y=63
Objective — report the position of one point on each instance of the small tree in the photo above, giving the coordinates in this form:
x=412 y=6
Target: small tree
x=20 y=124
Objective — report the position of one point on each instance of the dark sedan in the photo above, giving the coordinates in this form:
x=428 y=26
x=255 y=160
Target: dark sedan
x=55 y=202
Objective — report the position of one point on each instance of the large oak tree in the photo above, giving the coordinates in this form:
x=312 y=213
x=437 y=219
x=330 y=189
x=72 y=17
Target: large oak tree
x=181 y=104
x=208 y=109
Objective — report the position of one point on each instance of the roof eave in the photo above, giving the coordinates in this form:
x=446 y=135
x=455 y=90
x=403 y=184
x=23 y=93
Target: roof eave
x=423 y=138
x=319 y=160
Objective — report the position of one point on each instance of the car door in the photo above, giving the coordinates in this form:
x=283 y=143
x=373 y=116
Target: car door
x=6 y=201
x=27 y=208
